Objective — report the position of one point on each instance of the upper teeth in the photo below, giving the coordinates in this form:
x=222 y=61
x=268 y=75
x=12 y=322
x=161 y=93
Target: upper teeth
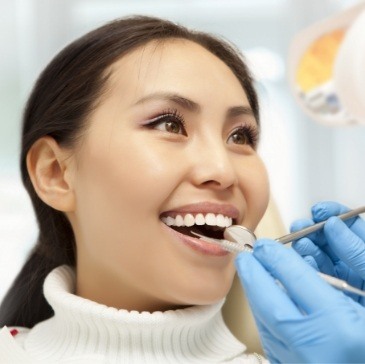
x=200 y=219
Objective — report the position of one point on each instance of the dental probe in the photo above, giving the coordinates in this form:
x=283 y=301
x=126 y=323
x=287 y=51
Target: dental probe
x=311 y=229
x=237 y=248
x=242 y=235
x=243 y=239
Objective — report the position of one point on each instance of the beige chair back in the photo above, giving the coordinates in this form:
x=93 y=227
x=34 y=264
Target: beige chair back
x=236 y=311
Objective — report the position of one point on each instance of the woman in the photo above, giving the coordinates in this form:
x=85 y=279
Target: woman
x=134 y=136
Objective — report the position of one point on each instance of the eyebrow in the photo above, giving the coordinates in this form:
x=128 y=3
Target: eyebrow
x=192 y=105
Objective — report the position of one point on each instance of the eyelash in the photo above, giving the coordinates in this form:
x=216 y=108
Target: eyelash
x=249 y=131
x=168 y=115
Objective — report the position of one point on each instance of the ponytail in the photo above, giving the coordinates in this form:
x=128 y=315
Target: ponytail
x=24 y=304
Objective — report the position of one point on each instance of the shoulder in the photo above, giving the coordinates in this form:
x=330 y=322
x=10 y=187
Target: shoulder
x=12 y=350
x=11 y=344
x=19 y=334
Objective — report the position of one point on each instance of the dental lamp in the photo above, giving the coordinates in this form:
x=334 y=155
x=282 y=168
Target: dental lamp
x=327 y=68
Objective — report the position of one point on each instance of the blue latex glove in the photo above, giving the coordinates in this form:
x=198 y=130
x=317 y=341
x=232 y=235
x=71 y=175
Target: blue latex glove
x=309 y=321
x=337 y=250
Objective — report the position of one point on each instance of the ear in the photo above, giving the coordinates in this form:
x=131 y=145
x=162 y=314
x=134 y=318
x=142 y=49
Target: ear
x=51 y=169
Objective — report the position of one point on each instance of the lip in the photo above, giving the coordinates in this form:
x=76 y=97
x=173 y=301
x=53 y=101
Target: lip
x=196 y=244
x=205 y=208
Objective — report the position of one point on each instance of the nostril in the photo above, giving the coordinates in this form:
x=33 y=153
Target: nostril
x=215 y=174
x=217 y=185
x=211 y=182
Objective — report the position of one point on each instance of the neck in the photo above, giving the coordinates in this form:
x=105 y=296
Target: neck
x=91 y=328
x=128 y=302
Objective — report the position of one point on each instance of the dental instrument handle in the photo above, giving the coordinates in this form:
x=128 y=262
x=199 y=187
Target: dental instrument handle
x=333 y=281
x=236 y=248
x=229 y=246
x=340 y=284
x=311 y=229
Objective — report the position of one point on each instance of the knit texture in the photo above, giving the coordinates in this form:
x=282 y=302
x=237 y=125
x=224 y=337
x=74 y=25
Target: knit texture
x=84 y=331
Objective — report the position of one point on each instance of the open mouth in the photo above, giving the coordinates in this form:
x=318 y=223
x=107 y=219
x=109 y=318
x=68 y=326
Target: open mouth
x=209 y=225
x=205 y=230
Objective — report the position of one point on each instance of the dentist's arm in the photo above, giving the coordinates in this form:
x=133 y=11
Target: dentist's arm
x=304 y=319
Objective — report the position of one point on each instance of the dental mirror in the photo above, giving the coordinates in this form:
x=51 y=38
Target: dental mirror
x=240 y=234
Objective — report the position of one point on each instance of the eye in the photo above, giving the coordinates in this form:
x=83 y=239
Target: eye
x=244 y=135
x=170 y=121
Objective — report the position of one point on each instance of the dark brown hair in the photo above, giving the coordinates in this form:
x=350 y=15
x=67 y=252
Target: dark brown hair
x=62 y=99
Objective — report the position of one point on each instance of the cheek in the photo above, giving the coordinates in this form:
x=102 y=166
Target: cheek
x=119 y=192
x=125 y=182
x=254 y=183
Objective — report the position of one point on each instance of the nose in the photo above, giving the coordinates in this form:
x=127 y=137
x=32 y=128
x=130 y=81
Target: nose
x=213 y=166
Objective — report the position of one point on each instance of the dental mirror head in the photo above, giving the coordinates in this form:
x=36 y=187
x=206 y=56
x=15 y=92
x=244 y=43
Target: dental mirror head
x=240 y=235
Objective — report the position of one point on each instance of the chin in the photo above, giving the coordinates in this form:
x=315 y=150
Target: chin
x=207 y=295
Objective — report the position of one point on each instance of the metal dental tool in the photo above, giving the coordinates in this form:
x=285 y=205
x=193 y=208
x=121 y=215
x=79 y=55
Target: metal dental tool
x=311 y=229
x=238 y=239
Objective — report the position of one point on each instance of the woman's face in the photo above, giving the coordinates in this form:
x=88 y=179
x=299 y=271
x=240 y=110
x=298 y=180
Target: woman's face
x=172 y=142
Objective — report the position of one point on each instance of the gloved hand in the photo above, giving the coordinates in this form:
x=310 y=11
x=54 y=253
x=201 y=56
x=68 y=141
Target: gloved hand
x=304 y=319
x=338 y=249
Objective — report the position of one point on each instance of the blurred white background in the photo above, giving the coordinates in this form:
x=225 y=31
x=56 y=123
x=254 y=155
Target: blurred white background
x=307 y=161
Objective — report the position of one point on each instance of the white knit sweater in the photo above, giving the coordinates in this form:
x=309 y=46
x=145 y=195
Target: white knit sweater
x=82 y=331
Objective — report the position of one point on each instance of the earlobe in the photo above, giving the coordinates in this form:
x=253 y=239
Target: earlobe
x=50 y=170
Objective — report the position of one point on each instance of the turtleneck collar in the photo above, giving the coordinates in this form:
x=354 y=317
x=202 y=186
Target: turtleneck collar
x=81 y=328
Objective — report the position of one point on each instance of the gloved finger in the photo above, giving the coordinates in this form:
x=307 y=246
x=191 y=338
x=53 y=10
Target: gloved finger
x=347 y=245
x=271 y=344
x=302 y=282
x=266 y=338
x=271 y=337
x=259 y=285
x=311 y=261
x=317 y=237
x=324 y=210
x=300 y=224
x=351 y=277
x=275 y=343
x=305 y=247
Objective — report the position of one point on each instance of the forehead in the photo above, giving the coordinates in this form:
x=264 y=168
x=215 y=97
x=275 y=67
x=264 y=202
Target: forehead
x=175 y=65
